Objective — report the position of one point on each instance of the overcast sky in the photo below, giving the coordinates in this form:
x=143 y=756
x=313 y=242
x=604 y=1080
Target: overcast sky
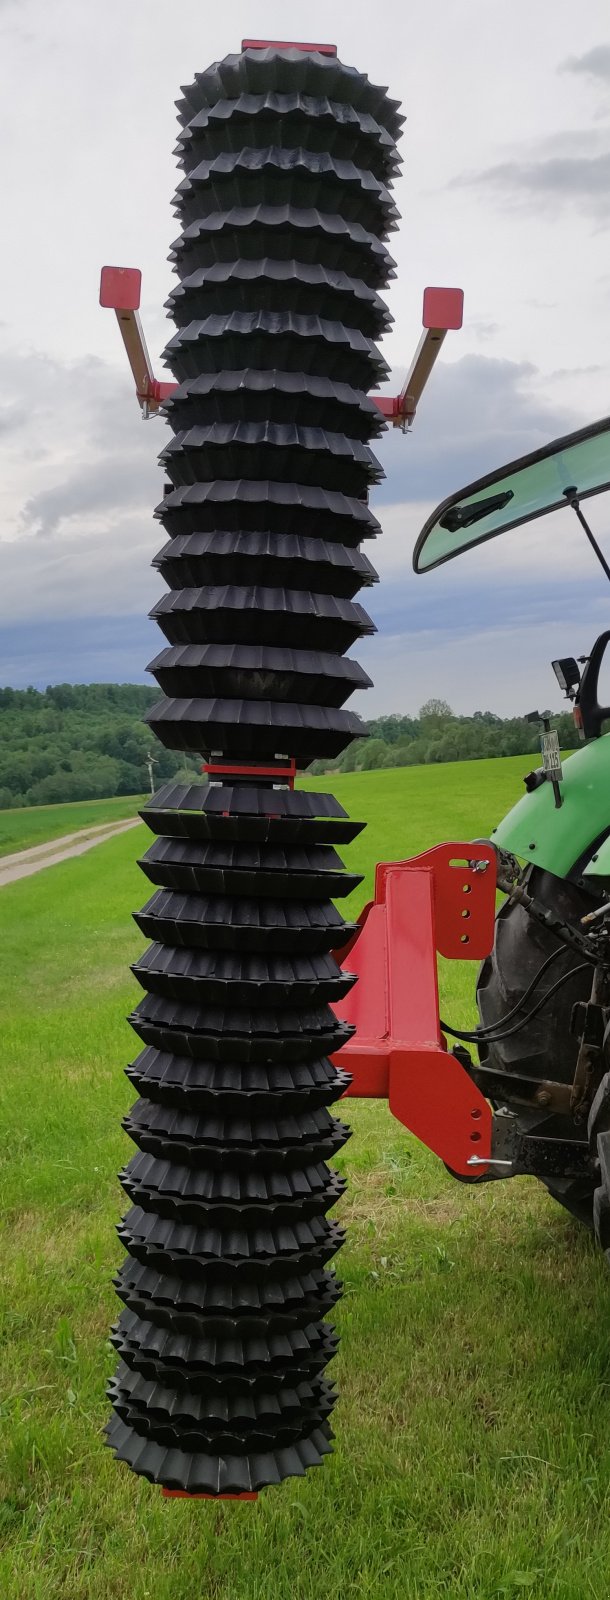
x=505 y=191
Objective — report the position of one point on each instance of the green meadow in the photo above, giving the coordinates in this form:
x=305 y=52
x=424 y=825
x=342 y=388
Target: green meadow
x=32 y=825
x=472 y=1456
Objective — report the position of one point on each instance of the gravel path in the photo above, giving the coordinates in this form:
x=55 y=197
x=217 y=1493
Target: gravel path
x=25 y=862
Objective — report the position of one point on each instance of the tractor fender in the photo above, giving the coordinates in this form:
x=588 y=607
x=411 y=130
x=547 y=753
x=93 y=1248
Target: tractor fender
x=578 y=831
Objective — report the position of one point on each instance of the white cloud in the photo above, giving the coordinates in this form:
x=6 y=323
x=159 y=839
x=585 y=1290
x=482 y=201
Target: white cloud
x=87 y=176
x=98 y=573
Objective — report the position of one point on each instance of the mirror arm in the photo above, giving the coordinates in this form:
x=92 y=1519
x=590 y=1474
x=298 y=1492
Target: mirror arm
x=571 y=495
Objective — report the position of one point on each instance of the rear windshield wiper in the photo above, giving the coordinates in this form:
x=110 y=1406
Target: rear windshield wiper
x=463 y=516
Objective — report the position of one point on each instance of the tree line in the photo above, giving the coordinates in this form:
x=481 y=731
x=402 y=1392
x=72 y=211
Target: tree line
x=89 y=742
x=437 y=734
x=79 y=742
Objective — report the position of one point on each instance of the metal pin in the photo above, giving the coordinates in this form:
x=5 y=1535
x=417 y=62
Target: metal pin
x=602 y=911
x=486 y=1161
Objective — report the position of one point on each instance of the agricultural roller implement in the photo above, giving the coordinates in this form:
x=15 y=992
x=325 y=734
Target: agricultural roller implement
x=263 y=1006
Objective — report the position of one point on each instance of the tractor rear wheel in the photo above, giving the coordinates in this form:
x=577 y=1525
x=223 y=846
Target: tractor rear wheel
x=599 y=1144
x=543 y=1048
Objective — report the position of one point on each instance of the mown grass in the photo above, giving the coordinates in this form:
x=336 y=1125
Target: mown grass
x=32 y=825
x=472 y=1456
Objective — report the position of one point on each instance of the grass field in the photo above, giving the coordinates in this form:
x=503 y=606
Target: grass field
x=32 y=825
x=473 y=1439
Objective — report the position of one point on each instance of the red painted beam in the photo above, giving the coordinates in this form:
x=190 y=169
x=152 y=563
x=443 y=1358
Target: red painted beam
x=441 y=901
x=183 y=1494
x=443 y=309
x=388 y=405
x=120 y=290
x=230 y=769
x=288 y=44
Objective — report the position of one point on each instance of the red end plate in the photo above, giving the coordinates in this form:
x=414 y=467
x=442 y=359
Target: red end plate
x=443 y=308
x=120 y=288
x=182 y=1494
x=288 y=44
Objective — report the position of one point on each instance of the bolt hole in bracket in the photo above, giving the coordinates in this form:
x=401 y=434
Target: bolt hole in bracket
x=398 y=1052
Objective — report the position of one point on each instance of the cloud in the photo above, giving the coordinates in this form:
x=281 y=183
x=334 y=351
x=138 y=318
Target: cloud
x=12 y=417
x=496 y=666
x=482 y=630
x=549 y=181
x=483 y=329
x=104 y=571
x=101 y=486
x=75 y=650
x=68 y=419
x=478 y=413
x=594 y=63
x=81 y=539
x=77 y=581
x=79 y=483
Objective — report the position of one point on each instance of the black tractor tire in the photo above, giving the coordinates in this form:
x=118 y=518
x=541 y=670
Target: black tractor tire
x=599 y=1144
x=545 y=1048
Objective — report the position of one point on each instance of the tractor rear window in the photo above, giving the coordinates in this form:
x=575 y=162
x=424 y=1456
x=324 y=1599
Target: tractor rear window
x=571 y=468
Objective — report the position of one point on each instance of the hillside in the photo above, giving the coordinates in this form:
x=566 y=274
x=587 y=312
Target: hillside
x=78 y=742
x=75 y=742
x=437 y=735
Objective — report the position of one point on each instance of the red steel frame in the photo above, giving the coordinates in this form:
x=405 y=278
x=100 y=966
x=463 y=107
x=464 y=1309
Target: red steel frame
x=120 y=289
x=440 y=902
x=443 y=309
x=183 y=1494
x=289 y=44
x=286 y=774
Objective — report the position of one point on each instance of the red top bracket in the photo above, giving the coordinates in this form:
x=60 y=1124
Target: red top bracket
x=288 y=44
x=443 y=308
x=120 y=288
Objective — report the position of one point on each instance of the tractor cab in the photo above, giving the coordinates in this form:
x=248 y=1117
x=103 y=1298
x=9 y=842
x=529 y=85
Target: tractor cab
x=558 y=477
x=544 y=1047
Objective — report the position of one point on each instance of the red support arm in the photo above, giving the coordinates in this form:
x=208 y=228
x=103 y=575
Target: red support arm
x=443 y=901
x=443 y=309
x=120 y=289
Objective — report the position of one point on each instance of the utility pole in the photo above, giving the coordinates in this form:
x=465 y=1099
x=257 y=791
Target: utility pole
x=151 y=762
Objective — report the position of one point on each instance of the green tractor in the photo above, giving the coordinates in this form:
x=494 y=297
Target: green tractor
x=543 y=994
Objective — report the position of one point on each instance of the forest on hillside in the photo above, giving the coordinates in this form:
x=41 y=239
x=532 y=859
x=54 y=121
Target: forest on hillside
x=89 y=742
x=437 y=734
x=78 y=742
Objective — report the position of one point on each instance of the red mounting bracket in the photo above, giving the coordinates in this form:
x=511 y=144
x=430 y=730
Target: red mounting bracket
x=120 y=289
x=443 y=309
x=224 y=769
x=440 y=902
x=289 y=44
x=183 y=1494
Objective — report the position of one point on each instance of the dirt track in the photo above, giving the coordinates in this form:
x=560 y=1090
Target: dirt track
x=25 y=862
